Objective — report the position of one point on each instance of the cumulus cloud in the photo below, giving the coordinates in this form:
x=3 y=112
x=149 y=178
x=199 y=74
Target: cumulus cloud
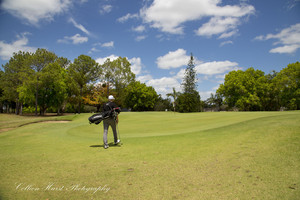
x=170 y=15
x=226 y=26
x=216 y=67
x=136 y=65
x=33 y=11
x=206 y=94
x=112 y=57
x=164 y=85
x=288 y=38
x=144 y=78
x=173 y=59
x=75 y=39
x=286 y=49
x=7 y=49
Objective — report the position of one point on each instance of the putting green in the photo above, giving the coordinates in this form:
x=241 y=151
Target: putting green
x=225 y=155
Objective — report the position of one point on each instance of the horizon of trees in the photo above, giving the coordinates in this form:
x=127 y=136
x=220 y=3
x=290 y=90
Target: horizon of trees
x=42 y=82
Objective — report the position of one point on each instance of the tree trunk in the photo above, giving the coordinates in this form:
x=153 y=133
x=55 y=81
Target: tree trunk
x=36 y=99
x=107 y=85
x=80 y=99
x=17 y=106
x=21 y=109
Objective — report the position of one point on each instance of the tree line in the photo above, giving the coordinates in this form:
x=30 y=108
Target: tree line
x=42 y=82
x=253 y=90
x=249 y=90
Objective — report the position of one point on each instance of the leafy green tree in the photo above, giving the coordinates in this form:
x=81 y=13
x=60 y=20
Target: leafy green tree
x=245 y=89
x=83 y=71
x=1 y=91
x=16 y=72
x=140 y=97
x=53 y=88
x=270 y=96
x=118 y=75
x=189 y=101
x=39 y=60
x=96 y=96
x=287 y=82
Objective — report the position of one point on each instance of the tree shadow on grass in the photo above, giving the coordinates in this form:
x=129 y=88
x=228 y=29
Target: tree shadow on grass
x=102 y=145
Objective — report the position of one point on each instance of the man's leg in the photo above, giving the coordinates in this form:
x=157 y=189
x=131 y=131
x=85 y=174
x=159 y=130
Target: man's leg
x=114 y=128
x=105 y=126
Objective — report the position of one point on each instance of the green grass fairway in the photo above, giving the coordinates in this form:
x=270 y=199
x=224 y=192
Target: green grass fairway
x=224 y=155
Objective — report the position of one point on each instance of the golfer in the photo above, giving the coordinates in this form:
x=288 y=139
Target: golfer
x=111 y=121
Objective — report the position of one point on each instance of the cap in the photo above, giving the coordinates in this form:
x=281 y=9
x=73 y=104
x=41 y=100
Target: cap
x=111 y=97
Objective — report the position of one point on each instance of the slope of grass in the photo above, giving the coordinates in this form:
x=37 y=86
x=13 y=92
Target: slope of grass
x=244 y=155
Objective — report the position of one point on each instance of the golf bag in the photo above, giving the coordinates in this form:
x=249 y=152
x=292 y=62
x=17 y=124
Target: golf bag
x=98 y=117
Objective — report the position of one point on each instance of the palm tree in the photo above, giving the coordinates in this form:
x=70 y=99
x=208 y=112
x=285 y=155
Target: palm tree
x=174 y=95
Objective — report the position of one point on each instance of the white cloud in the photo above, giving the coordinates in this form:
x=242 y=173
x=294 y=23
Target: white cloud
x=79 y=26
x=102 y=60
x=136 y=65
x=226 y=42
x=108 y=44
x=7 y=49
x=105 y=9
x=205 y=94
x=164 y=85
x=229 y=34
x=289 y=38
x=180 y=74
x=140 y=38
x=139 y=29
x=219 y=25
x=170 y=15
x=75 y=39
x=94 y=49
x=33 y=11
x=286 y=49
x=173 y=59
x=220 y=76
x=127 y=17
x=144 y=78
x=216 y=67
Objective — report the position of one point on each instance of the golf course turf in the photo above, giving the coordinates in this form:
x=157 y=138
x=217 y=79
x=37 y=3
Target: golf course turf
x=165 y=155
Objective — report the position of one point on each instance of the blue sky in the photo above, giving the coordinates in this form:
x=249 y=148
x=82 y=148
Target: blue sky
x=158 y=36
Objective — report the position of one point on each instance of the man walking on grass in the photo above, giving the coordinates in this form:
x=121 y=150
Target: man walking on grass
x=111 y=121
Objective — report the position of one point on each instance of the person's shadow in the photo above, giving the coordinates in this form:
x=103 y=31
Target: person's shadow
x=102 y=145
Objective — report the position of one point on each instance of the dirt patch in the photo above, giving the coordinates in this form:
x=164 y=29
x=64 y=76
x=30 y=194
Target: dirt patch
x=5 y=129
x=52 y=122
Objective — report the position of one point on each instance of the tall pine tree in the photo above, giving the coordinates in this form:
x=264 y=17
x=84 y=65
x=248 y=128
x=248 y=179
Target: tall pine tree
x=189 y=101
x=189 y=82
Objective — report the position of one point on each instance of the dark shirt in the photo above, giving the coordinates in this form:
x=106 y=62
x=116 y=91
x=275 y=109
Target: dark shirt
x=109 y=106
